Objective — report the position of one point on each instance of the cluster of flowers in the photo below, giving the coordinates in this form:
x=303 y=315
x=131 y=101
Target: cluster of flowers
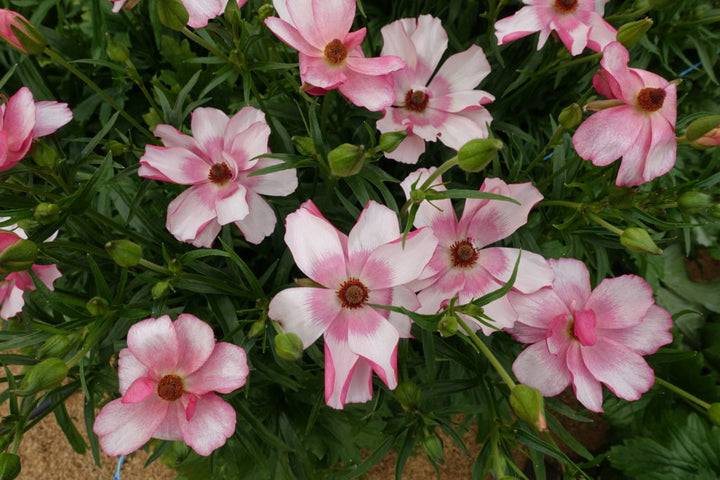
x=577 y=336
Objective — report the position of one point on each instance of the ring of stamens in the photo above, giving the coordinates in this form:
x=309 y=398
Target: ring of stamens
x=220 y=173
x=651 y=99
x=416 y=100
x=335 y=52
x=352 y=294
x=170 y=387
x=463 y=254
x=566 y=6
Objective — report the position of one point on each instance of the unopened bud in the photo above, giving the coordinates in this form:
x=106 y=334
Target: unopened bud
x=448 y=325
x=693 y=202
x=44 y=155
x=116 y=148
x=571 y=116
x=704 y=132
x=18 y=255
x=257 y=329
x=266 y=10
x=714 y=413
x=9 y=466
x=124 y=252
x=160 y=289
x=433 y=447
x=20 y=33
x=346 y=160
x=389 y=141
x=46 y=213
x=116 y=51
x=408 y=394
x=304 y=145
x=97 y=306
x=638 y=240
x=289 y=346
x=527 y=403
x=172 y=13
x=632 y=32
x=476 y=154
x=56 y=346
x=44 y=375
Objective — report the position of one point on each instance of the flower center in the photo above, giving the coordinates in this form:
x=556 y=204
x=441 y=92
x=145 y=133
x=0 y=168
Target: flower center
x=353 y=294
x=463 y=254
x=170 y=387
x=220 y=173
x=566 y=6
x=651 y=99
x=335 y=52
x=416 y=100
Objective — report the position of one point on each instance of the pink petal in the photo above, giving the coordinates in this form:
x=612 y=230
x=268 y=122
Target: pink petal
x=173 y=164
x=438 y=215
x=502 y=316
x=280 y=183
x=402 y=296
x=306 y=312
x=663 y=149
x=47 y=274
x=225 y=370
x=572 y=282
x=259 y=222
x=646 y=337
x=620 y=302
x=154 y=343
x=12 y=299
x=539 y=309
x=608 y=134
x=533 y=272
x=19 y=119
x=302 y=15
x=397 y=42
x=249 y=143
x=456 y=130
x=196 y=342
x=211 y=425
x=318 y=72
x=409 y=150
x=359 y=387
x=172 y=137
x=208 y=125
x=202 y=11
x=169 y=428
x=538 y=368
x=242 y=120
x=191 y=212
x=231 y=203
x=430 y=42
x=464 y=70
x=573 y=34
x=333 y=17
x=374 y=66
x=125 y=427
x=340 y=363
x=634 y=159
x=625 y=372
x=584 y=327
x=372 y=92
x=371 y=337
x=524 y=333
x=467 y=99
x=291 y=36
x=129 y=369
x=139 y=390
x=614 y=61
x=588 y=389
x=376 y=226
x=524 y=22
x=49 y=116
x=601 y=33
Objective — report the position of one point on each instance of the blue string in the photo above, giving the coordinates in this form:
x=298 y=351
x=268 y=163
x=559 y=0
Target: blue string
x=686 y=71
x=119 y=466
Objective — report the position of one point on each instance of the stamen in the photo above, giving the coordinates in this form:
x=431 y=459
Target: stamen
x=566 y=6
x=463 y=254
x=335 y=52
x=220 y=173
x=170 y=388
x=353 y=294
x=416 y=100
x=651 y=99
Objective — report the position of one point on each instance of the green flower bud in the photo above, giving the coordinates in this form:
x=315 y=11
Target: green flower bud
x=44 y=155
x=289 y=346
x=693 y=202
x=472 y=310
x=389 y=141
x=9 y=466
x=527 y=403
x=116 y=148
x=172 y=13
x=715 y=210
x=257 y=329
x=304 y=145
x=448 y=325
x=19 y=256
x=714 y=413
x=632 y=32
x=702 y=126
x=21 y=34
x=160 y=289
x=417 y=196
x=116 y=51
x=433 y=447
x=346 y=160
x=571 y=116
x=56 y=346
x=638 y=240
x=174 y=266
x=408 y=394
x=476 y=154
x=97 y=306
x=46 y=213
x=124 y=252
x=266 y=10
x=44 y=375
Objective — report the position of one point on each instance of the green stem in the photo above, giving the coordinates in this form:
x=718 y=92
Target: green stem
x=90 y=341
x=550 y=144
x=153 y=266
x=209 y=47
x=688 y=396
x=488 y=354
x=439 y=171
x=602 y=222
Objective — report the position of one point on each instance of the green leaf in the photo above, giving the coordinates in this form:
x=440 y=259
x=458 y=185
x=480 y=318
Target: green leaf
x=68 y=427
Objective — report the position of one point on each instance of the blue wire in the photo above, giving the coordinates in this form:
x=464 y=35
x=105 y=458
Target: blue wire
x=686 y=71
x=119 y=466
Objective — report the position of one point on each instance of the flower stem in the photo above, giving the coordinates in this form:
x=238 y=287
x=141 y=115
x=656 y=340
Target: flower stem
x=602 y=222
x=428 y=182
x=488 y=354
x=688 y=396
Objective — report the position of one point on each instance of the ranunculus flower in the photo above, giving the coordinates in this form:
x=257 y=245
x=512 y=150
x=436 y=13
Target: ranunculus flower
x=588 y=337
x=578 y=23
x=463 y=265
x=200 y=11
x=640 y=128
x=368 y=266
x=13 y=24
x=447 y=107
x=168 y=377
x=330 y=55
x=22 y=120
x=216 y=161
x=710 y=139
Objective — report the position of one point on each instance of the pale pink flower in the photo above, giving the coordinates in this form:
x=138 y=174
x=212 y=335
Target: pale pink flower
x=368 y=266
x=330 y=55
x=588 y=337
x=22 y=120
x=578 y=23
x=216 y=161
x=200 y=11
x=463 y=265
x=640 y=128
x=447 y=107
x=168 y=377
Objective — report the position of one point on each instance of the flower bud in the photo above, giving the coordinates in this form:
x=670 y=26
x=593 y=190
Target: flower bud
x=304 y=145
x=527 y=403
x=714 y=413
x=173 y=14
x=97 y=306
x=116 y=51
x=160 y=289
x=632 y=32
x=571 y=116
x=389 y=141
x=408 y=394
x=715 y=210
x=448 y=325
x=476 y=154
x=9 y=466
x=44 y=155
x=124 y=252
x=346 y=160
x=20 y=33
x=46 y=213
x=257 y=329
x=693 y=202
x=433 y=447
x=56 y=346
x=19 y=255
x=289 y=346
x=704 y=132
x=44 y=375
x=638 y=240
x=266 y=10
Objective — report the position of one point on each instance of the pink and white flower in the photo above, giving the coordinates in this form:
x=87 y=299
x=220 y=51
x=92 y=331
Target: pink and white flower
x=447 y=107
x=168 y=377
x=588 y=337
x=330 y=55
x=22 y=120
x=461 y=265
x=578 y=23
x=200 y=11
x=368 y=266
x=640 y=127
x=216 y=161
x=12 y=24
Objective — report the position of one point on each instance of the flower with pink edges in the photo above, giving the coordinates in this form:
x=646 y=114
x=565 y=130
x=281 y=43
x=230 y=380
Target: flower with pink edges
x=640 y=127
x=217 y=161
x=578 y=23
x=447 y=107
x=13 y=24
x=709 y=139
x=22 y=120
x=199 y=11
x=330 y=55
x=462 y=265
x=587 y=337
x=168 y=377
x=368 y=266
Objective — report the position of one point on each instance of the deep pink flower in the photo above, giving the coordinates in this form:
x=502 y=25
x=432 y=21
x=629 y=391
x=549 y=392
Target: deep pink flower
x=200 y=11
x=216 y=161
x=22 y=120
x=447 y=107
x=578 y=23
x=330 y=55
x=461 y=265
x=589 y=337
x=168 y=376
x=12 y=24
x=368 y=266
x=640 y=128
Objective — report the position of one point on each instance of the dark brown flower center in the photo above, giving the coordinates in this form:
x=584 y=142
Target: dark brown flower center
x=416 y=100
x=566 y=6
x=170 y=388
x=353 y=294
x=335 y=52
x=463 y=253
x=651 y=99
x=220 y=173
